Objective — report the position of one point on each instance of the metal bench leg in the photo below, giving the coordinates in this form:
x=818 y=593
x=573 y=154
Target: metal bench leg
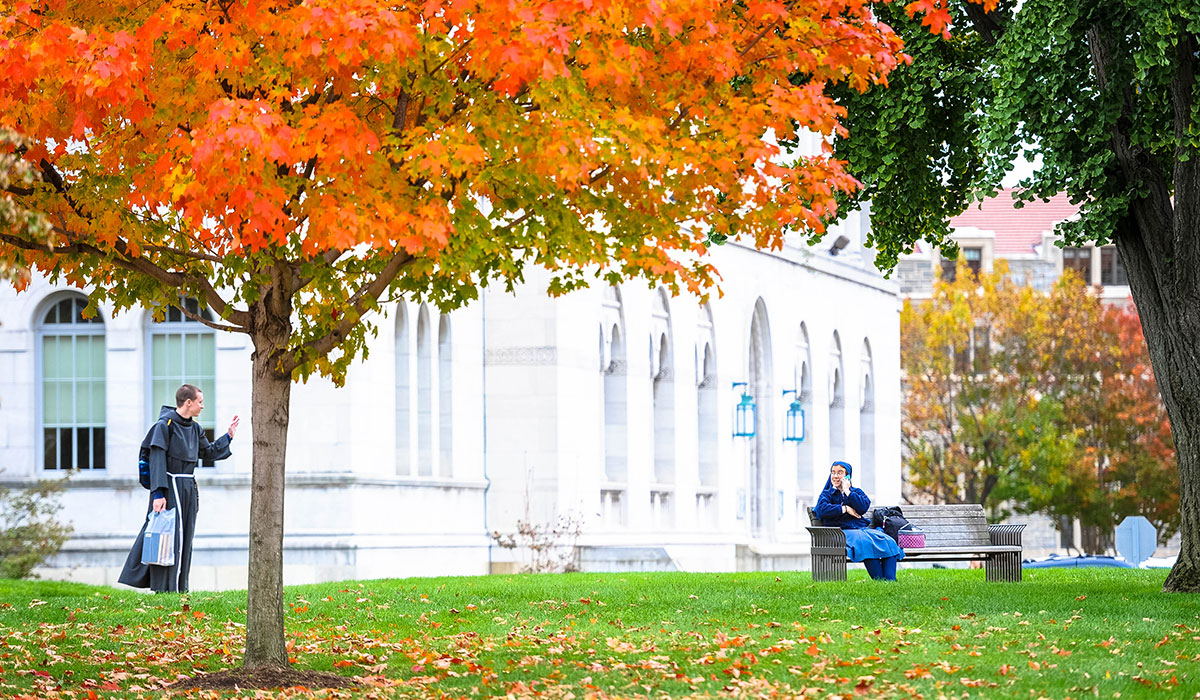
x=1003 y=567
x=829 y=567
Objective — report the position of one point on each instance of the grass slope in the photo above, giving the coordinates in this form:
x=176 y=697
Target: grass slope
x=1060 y=633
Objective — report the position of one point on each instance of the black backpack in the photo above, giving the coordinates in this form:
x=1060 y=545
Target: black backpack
x=891 y=519
x=144 y=454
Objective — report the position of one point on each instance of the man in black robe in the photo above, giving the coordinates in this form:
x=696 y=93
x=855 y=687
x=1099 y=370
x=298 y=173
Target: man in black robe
x=177 y=444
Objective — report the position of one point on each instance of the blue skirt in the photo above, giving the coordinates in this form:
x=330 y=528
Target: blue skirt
x=871 y=543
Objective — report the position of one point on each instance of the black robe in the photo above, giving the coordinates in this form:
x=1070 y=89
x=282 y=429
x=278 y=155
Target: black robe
x=172 y=463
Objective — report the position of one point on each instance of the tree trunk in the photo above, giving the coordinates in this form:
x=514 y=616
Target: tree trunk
x=272 y=390
x=1170 y=315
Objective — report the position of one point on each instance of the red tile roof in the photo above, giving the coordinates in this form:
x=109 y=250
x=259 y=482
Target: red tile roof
x=1017 y=231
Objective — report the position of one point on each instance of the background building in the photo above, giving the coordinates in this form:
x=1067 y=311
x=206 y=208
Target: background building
x=1025 y=238
x=612 y=406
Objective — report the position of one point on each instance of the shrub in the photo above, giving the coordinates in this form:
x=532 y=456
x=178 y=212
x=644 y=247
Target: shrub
x=29 y=529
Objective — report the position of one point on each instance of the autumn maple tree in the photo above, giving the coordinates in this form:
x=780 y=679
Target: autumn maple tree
x=294 y=165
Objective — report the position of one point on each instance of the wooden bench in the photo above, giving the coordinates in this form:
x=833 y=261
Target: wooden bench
x=952 y=533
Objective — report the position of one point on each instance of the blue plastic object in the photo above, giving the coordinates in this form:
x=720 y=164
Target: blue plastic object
x=1056 y=561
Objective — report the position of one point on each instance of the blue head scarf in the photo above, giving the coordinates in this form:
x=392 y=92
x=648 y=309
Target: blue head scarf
x=844 y=465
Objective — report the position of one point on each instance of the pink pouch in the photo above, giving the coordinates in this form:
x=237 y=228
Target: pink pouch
x=912 y=539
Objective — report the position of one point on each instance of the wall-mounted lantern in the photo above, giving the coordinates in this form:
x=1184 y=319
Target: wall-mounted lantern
x=744 y=415
x=793 y=422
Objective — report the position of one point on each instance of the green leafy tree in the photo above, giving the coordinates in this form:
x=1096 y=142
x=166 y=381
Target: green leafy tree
x=1104 y=95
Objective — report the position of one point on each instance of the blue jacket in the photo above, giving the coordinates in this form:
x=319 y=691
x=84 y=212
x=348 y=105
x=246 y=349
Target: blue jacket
x=831 y=500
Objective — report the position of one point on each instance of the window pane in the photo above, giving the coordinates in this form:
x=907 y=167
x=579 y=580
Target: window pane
x=82 y=402
x=82 y=353
x=949 y=271
x=65 y=349
x=99 y=364
x=50 y=405
x=163 y=394
x=158 y=355
x=174 y=344
x=83 y=441
x=211 y=435
x=191 y=354
x=98 y=461
x=65 y=456
x=50 y=437
x=99 y=410
x=207 y=357
x=1112 y=272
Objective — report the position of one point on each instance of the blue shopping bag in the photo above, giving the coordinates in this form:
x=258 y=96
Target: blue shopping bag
x=158 y=545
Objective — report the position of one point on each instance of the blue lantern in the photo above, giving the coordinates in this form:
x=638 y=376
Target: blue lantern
x=745 y=414
x=793 y=424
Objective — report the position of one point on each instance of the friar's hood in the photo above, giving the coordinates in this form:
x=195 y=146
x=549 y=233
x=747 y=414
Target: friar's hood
x=170 y=412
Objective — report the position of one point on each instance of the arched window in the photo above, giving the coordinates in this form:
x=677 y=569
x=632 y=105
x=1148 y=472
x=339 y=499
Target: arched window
x=183 y=351
x=761 y=476
x=837 y=402
x=866 y=421
x=71 y=358
x=445 y=400
x=662 y=496
x=403 y=392
x=706 y=399
x=806 y=489
x=706 y=421
x=614 y=441
x=663 y=381
x=424 y=394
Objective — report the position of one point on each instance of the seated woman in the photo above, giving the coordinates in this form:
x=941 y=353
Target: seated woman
x=843 y=505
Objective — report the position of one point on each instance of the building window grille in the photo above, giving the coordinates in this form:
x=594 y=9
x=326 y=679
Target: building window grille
x=72 y=386
x=1112 y=270
x=184 y=351
x=1080 y=261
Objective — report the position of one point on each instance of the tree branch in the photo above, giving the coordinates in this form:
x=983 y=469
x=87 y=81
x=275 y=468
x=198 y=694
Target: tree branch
x=358 y=303
x=121 y=257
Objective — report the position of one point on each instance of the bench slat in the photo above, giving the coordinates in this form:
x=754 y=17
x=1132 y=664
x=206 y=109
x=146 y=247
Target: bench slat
x=985 y=549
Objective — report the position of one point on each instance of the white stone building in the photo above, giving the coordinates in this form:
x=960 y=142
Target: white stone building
x=615 y=406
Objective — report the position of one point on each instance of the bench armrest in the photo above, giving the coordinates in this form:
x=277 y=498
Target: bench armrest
x=1006 y=534
x=827 y=537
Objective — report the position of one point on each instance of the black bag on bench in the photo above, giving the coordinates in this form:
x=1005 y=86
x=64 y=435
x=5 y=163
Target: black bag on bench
x=891 y=519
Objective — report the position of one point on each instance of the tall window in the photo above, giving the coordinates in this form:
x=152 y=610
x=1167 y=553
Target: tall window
x=184 y=351
x=445 y=400
x=613 y=390
x=837 y=401
x=1112 y=271
x=424 y=394
x=805 y=488
x=706 y=400
x=866 y=421
x=663 y=390
x=403 y=393
x=1080 y=261
x=73 y=396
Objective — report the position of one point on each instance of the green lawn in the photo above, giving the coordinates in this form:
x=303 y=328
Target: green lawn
x=1060 y=633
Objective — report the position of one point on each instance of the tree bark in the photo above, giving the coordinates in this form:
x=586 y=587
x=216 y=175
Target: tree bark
x=272 y=390
x=1171 y=325
x=1160 y=247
